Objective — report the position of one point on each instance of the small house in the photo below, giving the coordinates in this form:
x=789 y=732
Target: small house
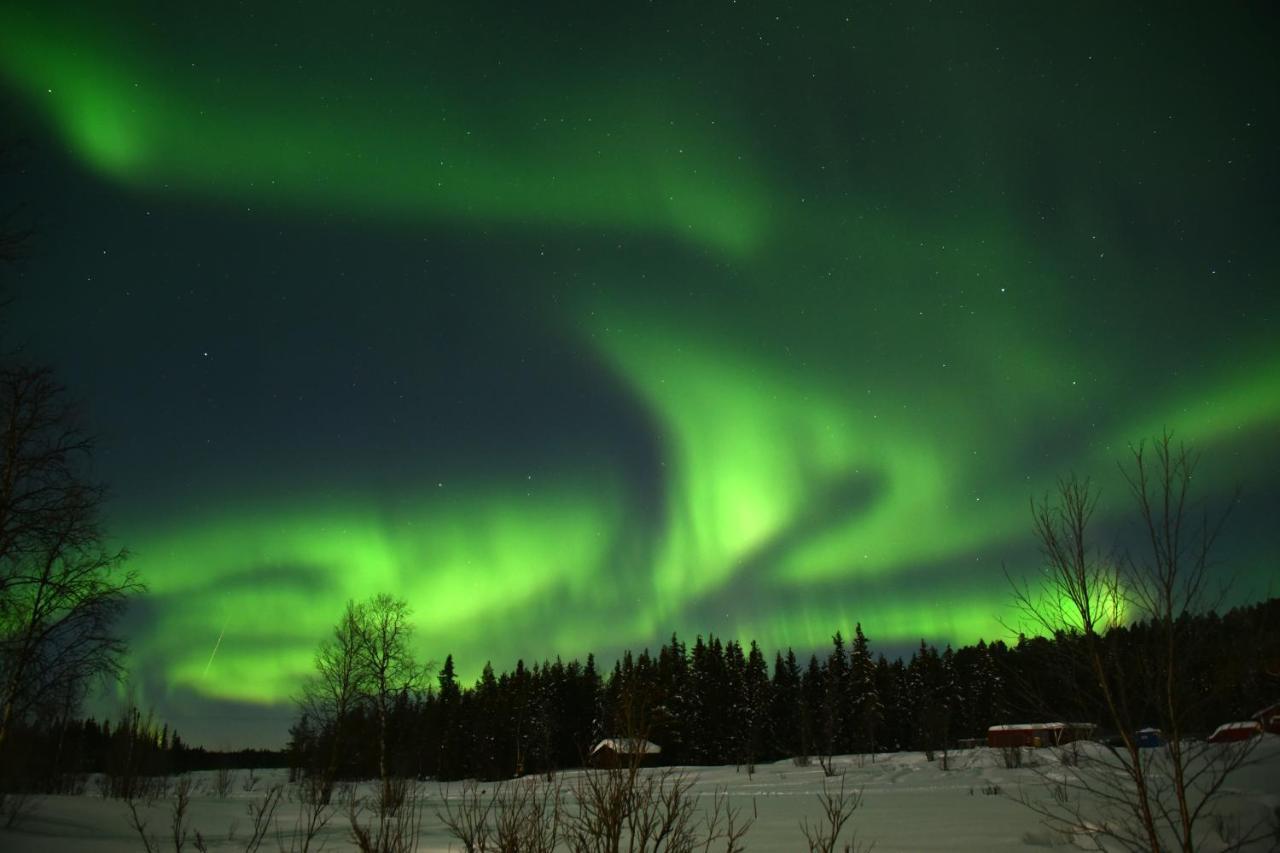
x=1269 y=718
x=622 y=752
x=1229 y=732
x=1038 y=734
x=1148 y=738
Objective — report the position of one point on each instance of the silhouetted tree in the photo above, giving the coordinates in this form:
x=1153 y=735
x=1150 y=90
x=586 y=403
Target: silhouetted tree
x=449 y=720
x=331 y=696
x=719 y=705
x=867 y=710
x=813 y=691
x=835 y=701
x=786 y=704
x=1134 y=672
x=62 y=590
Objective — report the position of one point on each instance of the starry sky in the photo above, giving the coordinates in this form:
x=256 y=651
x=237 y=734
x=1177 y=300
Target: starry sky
x=577 y=324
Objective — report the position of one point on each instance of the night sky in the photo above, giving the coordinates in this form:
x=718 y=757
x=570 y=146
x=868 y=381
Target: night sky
x=576 y=325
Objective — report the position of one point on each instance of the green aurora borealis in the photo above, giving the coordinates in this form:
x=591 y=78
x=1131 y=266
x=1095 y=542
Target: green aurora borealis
x=577 y=327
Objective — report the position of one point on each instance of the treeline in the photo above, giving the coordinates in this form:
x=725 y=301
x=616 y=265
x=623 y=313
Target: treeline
x=58 y=757
x=720 y=703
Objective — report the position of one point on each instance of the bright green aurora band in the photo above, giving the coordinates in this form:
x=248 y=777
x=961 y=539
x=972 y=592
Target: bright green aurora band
x=861 y=335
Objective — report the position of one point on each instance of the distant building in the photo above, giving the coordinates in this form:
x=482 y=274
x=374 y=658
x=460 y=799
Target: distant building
x=622 y=752
x=1269 y=718
x=1148 y=738
x=1228 y=732
x=1038 y=734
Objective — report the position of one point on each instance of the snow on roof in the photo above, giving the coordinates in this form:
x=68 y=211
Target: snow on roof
x=627 y=746
x=1038 y=727
x=1229 y=727
x=1269 y=711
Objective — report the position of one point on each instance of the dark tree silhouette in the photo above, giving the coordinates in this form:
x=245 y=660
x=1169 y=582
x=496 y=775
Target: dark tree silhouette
x=331 y=696
x=62 y=590
x=716 y=705
x=868 y=711
x=1136 y=673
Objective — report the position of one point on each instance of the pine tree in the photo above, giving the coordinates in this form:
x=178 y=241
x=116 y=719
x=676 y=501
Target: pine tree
x=698 y=701
x=868 y=712
x=522 y=716
x=671 y=702
x=835 y=706
x=450 y=763
x=592 y=687
x=734 y=724
x=757 y=704
x=486 y=725
x=929 y=694
x=813 y=689
x=785 y=705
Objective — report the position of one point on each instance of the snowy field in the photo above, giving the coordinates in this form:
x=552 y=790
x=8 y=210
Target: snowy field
x=909 y=804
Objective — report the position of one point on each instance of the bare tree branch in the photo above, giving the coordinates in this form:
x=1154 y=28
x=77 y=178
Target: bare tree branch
x=61 y=589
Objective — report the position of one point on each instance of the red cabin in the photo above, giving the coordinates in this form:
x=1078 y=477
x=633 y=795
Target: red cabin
x=1229 y=732
x=1269 y=718
x=1038 y=734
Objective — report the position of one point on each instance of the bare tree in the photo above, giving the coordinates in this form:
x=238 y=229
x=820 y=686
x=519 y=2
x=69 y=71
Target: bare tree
x=837 y=807
x=331 y=695
x=61 y=589
x=314 y=814
x=626 y=808
x=521 y=816
x=366 y=663
x=468 y=819
x=397 y=818
x=1143 y=799
x=179 y=820
x=223 y=778
x=649 y=812
x=386 y=663
x=261 y=817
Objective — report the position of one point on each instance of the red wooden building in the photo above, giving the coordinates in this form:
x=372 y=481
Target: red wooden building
x=1228 y=732
x=1038 y=734
x=1269 y=718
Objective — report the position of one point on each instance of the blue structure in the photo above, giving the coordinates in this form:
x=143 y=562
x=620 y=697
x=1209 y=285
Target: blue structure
x=1149 y=738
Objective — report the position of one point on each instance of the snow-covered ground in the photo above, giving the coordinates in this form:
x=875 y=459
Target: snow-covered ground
x=909 y=804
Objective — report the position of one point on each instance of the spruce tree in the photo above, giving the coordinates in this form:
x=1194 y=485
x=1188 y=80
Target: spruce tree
x=813 y=690
x=835 y=706
x=671 y=702
x=450 y=763
x=868 y=711
x=785 y=703
x=757 y=704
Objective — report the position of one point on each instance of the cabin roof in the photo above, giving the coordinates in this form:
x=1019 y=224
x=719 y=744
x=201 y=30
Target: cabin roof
x=1039 y=727
x=628 y=746
x=1243 y=724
